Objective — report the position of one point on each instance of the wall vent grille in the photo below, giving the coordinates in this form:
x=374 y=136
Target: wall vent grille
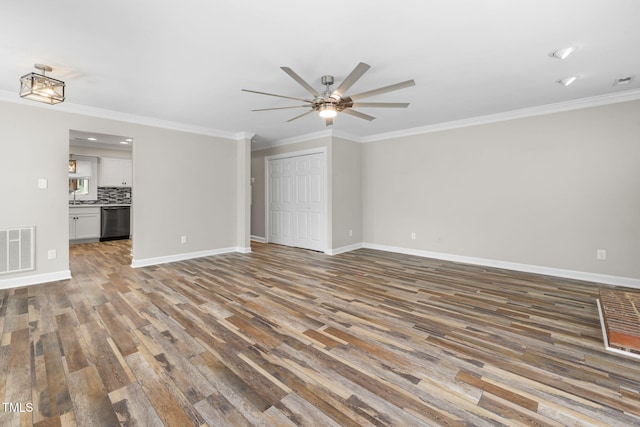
x=17 y=249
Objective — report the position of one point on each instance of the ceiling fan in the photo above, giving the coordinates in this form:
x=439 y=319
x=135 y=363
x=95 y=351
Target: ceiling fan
x=328 y=104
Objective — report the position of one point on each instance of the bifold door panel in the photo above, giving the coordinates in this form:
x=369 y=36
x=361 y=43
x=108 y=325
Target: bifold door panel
x=296 y=201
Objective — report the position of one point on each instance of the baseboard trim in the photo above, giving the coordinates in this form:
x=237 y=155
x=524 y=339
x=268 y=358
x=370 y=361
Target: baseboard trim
x=146 y=262
x=526 y=268
x=35 y=279
x=259 y=239
x=343 y=249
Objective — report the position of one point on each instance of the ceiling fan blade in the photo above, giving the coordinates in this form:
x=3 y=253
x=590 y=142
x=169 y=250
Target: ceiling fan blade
x=328 y=121
x=353 y=77
x=357 y=114
x=382 y=90
x=380 y=104
x=279 y=96
x=299 y=79
x=301 y=115
x=281 y=108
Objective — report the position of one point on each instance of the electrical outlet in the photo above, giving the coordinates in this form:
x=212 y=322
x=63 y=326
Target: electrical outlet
x=52 y=254
x=601 y=254
x=183 y=239
x=413 y=236
x=350 y=233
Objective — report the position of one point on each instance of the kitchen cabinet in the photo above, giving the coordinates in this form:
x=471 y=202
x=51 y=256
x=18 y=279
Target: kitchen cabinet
x=115 y=172
x=83 y=184
x=84 y=167
x=84 y=223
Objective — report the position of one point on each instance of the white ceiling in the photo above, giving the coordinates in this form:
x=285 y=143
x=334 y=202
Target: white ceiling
x=100 y=140
x=186 y=61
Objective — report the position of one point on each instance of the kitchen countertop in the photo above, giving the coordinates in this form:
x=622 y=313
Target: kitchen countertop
x=99 y=205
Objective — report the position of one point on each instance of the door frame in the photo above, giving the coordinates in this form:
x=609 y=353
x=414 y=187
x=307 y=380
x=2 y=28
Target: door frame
x=267 y=185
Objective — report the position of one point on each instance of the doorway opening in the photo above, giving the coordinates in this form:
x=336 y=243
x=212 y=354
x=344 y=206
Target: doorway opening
x=100 y=186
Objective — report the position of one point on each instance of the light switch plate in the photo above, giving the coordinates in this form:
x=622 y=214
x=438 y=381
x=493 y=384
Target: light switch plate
x=42 y=183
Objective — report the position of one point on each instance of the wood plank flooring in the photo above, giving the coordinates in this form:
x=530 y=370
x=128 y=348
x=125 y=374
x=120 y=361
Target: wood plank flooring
x=285 y=337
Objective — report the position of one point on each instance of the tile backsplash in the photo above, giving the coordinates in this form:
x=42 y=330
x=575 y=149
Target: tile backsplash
x=109 y=195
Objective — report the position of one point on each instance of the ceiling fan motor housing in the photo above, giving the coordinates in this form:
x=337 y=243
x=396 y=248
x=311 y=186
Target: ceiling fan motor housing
x=326 y=80
x=327 y=100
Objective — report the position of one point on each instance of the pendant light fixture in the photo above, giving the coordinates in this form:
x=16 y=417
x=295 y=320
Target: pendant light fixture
x=39 y=87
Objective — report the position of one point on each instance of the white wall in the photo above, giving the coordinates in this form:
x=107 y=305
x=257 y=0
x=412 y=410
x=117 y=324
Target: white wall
x=545 y=191
x=34 y=144
x=243 y=194
x=347 y=193
x=539 y=194
x=186 y=184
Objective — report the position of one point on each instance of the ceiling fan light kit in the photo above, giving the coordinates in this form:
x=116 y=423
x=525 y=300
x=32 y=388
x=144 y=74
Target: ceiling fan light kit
x=329 y=103
x=41 y=88
x=328 y=111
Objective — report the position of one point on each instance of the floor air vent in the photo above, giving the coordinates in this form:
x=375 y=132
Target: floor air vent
x=17 y=249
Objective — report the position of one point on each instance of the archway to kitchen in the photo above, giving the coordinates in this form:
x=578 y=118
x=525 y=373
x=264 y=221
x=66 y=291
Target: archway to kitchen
x=100 y=187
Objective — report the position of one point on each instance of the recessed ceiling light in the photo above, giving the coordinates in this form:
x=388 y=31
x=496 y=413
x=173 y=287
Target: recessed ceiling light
x=124 y=142
x=623 y=81
x=129 y=140
x=91 y=139
x=563 y=53
x=567 y=80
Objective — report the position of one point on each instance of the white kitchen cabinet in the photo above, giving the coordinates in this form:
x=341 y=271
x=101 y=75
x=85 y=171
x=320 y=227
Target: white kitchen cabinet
x=115 y=172
x=84 y=223
x=85 y=186
x=84 y=167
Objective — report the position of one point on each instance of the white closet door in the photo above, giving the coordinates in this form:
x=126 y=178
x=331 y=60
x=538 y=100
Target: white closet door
x=296 y=201
x=281 y=197
x=309 y=207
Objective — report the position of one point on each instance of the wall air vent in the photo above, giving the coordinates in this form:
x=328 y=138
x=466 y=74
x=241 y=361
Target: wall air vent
x=17 y=249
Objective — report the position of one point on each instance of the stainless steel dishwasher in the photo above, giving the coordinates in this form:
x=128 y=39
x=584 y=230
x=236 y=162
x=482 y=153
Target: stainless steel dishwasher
x=115 y=222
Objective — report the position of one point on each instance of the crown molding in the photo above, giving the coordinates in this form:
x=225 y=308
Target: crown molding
x=345 y=135
x=306 y=137
x=240 y=136
x=293 y=140
x=84 y=110
x=594 y=101
x=327 y=133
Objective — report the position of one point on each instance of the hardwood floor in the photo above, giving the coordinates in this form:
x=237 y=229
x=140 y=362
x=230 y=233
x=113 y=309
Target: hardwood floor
x=294 y=337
